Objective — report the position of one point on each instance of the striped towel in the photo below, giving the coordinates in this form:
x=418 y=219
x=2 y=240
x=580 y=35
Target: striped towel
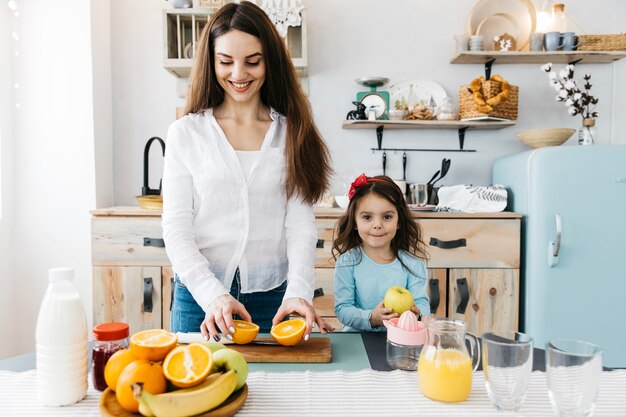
x=338 y=393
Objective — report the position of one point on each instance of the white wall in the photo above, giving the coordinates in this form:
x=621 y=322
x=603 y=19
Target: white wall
x=348 y=39
x=8 y=325
x=54 y=155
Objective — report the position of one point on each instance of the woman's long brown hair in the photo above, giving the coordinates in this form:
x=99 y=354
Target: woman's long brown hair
x=308 y=159
x=408 y=237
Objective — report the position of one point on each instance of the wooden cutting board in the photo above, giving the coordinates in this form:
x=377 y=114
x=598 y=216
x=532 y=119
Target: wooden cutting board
x=316 y=349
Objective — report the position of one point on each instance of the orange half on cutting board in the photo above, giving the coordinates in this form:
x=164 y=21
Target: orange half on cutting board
x=289 y=333
x=245 y=332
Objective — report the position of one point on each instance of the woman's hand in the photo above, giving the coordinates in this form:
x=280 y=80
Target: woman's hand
x=380 y=313
x=220 y=313
x=306 y=310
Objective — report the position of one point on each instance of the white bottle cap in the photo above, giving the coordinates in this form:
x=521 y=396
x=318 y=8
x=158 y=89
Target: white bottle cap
x=60 y=274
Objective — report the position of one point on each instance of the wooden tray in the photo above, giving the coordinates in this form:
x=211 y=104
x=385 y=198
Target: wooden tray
x=109 y=407
x=315 y=350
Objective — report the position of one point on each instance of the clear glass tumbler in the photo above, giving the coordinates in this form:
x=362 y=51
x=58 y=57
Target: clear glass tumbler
x=573 y=370
x=507 y=363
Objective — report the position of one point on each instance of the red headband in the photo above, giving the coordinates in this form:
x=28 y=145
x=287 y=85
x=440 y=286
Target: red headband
x=359 y=181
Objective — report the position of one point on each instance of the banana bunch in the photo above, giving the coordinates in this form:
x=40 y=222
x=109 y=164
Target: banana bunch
x=201 y=398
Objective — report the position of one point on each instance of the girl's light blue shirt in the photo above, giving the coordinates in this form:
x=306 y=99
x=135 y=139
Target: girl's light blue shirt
x=361 y=284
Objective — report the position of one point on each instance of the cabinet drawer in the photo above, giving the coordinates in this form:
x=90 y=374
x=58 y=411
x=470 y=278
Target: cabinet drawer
x=127 y=241
x=325 y=236
x=472 y=243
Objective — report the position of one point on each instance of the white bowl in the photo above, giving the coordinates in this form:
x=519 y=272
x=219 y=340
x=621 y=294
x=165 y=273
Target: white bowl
x=342 y=201
x=395 y=114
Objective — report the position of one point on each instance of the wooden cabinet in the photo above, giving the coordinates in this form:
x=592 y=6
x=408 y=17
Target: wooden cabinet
x=473 y=267
x=132 y=277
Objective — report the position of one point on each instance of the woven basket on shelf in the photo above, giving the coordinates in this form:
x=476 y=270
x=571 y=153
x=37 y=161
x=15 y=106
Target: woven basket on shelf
x=602 y=42
x=505 y=110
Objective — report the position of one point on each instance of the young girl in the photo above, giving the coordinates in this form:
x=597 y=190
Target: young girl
x=379 y=245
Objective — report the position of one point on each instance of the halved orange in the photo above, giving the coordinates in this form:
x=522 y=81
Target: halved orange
x=289 y=333
x=153 y=344
x=245 y=332
x=188 y=365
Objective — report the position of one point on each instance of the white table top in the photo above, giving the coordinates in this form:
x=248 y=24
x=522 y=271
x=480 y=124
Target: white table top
x=337 y=393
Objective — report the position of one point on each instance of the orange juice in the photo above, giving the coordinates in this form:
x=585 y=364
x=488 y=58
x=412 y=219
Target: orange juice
x=445 y=374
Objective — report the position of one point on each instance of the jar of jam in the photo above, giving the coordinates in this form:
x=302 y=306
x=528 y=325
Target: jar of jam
x=108 y=338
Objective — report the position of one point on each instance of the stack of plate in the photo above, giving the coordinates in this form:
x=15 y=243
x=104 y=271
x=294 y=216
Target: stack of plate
x=495 y=17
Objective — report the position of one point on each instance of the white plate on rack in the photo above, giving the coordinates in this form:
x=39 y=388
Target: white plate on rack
x=422 y=89
x=427 y=207
x=521 y=11
x=495 y=25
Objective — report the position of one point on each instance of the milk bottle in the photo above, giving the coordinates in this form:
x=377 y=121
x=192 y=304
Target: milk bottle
x=61 y=339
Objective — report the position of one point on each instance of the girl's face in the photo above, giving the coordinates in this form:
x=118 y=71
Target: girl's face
x=376 y=222
x=239 y=65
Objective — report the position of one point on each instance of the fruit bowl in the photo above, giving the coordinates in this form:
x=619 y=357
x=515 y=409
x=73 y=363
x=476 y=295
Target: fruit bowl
x=109 y=406
x=539 y=138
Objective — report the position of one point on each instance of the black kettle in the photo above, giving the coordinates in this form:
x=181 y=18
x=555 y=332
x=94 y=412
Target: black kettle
x=146 y=190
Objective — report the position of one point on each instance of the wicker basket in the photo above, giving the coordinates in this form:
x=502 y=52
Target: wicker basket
x=505 y=110
x=602 y=43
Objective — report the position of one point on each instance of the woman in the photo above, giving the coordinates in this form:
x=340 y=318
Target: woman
x=242 y=170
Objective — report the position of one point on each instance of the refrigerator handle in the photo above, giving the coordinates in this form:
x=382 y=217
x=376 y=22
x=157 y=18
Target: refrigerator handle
x=555 y=247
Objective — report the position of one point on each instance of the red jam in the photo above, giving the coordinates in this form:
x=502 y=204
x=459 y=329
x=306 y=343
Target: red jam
x=108 y=338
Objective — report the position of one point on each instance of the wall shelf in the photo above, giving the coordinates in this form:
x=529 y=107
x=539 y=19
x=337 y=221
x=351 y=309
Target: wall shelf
x=527 y=57
x=459 y=125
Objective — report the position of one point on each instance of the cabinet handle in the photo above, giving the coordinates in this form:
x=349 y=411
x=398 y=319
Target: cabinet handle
x=153 y=241
x=447 y=244
x=461 y=284
x=320 y=244
x=147 y=295
x=434 y=295
x=172 y=285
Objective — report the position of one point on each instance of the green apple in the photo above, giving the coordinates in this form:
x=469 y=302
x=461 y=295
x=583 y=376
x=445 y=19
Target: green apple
x=226 y=359
x=398 y=299
x=214 y=346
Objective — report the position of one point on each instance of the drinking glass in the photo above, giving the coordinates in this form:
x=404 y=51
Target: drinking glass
x=573 y=370
x=507 y=363
x=421 y=194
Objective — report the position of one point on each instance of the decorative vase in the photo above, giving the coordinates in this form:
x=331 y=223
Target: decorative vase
x=587 y=133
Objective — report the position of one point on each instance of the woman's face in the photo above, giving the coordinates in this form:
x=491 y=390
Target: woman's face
x=239 y=65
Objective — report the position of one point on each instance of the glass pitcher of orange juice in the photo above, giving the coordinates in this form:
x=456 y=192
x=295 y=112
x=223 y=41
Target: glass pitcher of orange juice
x=445 y=365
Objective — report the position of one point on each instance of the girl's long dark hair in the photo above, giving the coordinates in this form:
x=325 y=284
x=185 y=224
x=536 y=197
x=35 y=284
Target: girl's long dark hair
x=308 y=159
x=408 y=237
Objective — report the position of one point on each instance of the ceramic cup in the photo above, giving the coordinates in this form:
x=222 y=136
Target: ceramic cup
x=536 y=41
x=476 y=43
x=570 y=41
x=462 y=42
x=553 y=41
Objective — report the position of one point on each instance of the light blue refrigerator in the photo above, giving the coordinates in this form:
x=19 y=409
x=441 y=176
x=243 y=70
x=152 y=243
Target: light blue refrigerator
x=573 y=271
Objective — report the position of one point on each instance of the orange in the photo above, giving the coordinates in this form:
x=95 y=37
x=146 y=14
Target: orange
x=115 y=365
x=289 y=333
x=188 y=365
x=245 y=332
x=153 y=345
x=141 y=370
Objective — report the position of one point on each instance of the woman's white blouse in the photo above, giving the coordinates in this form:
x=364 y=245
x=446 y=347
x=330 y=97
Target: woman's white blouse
x=215 y=220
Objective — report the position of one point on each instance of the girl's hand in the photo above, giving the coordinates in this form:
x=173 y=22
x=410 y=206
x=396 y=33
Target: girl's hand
x=220 y=313
x=380 y=313
x=416 y=310
x=306 y=310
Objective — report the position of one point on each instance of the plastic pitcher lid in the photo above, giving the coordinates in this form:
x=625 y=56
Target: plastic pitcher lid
x=110 y=331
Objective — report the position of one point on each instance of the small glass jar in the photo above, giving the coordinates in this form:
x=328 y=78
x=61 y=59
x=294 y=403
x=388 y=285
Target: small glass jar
x=402 y=356
x=587 y=134
x=108 y=338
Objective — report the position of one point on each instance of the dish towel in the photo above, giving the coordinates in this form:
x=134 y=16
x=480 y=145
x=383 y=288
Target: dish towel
x=472 y=198
x=365 y=393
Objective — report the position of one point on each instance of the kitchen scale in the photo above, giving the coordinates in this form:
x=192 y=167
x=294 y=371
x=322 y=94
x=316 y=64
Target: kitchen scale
x=378 y=100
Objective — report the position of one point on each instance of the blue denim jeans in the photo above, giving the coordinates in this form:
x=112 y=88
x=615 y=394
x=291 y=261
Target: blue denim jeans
x=187 y=315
